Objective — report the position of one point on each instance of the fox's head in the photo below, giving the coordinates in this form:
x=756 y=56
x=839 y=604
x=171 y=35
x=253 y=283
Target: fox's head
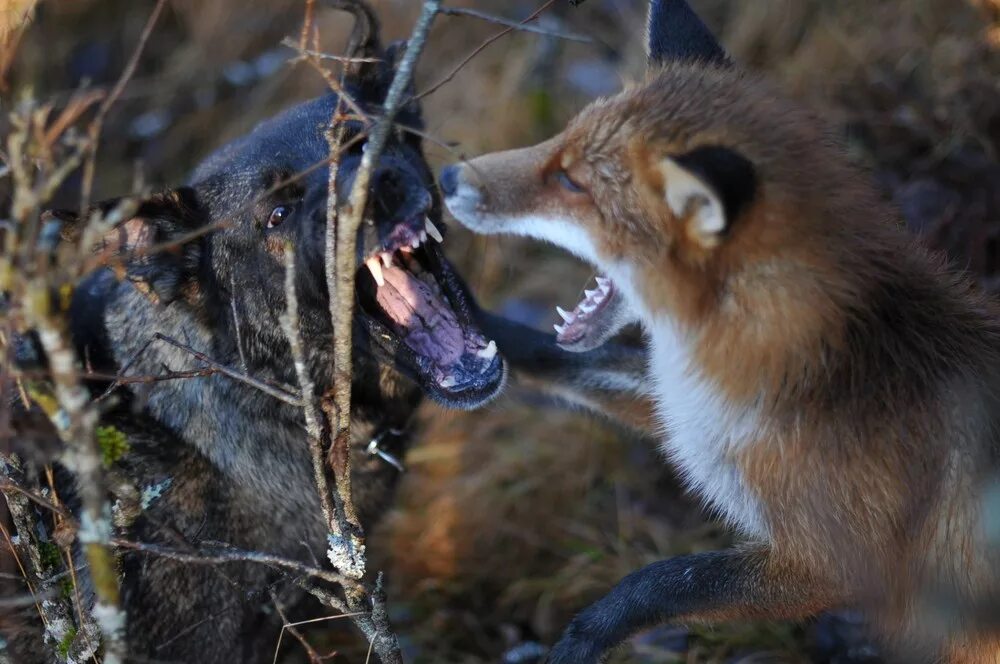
x=678 y=189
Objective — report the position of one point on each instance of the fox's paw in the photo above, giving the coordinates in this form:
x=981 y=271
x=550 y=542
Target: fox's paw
x=575 y=648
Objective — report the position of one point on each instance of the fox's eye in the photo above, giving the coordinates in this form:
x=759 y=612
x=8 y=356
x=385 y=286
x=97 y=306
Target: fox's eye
x=566 y=183
x=278 y=215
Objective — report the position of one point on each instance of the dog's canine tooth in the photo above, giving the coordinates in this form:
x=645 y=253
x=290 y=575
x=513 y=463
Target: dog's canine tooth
x=559 y=328
x=432 y=230
x=376 y=269
x=386 y=259
x=489 y=352
x=565 y=315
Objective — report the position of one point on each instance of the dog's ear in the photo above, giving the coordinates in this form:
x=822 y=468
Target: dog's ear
x=369 y=71
x=152 y=243
x=674 y=32
x=708 y=188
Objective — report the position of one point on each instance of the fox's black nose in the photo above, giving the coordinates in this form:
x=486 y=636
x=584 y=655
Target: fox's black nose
x=449 y=180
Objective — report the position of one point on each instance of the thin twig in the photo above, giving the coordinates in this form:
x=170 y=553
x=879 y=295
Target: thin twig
x=282 y=393
x=319 y=55
x=479 y=49
x=233 y=555
x=291 y=326
x=288 y=626
x=94 y=130
x=515 y=25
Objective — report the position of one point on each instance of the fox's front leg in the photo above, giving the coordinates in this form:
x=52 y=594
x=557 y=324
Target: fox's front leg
x=704 y=587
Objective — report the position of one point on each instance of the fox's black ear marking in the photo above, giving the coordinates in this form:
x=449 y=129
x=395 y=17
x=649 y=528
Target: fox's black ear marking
x=674 y=32
x=730 y=174
x=708 y=188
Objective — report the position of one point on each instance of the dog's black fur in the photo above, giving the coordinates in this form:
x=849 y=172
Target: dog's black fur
x=220 y=462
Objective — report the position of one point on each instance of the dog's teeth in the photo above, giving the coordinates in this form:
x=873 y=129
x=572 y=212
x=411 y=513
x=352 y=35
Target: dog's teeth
x=432 y=229
x=376 y=270
x=603 y=282
x=559 y=328
x=565 y=315
x=386 y=259
x=489 y=352
x=415 y=243
x=449 y=381
x=587 y=308
x=591 y=293
x=423 y=237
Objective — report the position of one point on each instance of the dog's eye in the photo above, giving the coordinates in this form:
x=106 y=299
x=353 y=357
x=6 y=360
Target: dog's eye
x=566 y=183
x=278 y=215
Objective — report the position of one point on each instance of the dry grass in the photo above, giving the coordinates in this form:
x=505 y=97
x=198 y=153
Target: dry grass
x=511 y=519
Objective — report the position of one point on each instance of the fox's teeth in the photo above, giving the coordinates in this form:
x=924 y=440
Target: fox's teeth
x=559 y=328
x=386 y=259
x=587 y=308
x=432 y=229
x=489 y=352
x=376 y=270
x=565 y=315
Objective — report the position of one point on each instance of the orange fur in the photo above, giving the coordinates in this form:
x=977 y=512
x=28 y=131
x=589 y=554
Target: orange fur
x=871 y=372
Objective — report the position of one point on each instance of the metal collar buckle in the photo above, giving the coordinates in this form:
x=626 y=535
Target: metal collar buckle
x=373 y=449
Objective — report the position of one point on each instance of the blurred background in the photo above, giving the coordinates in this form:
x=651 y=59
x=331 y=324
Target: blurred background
x=512 y=518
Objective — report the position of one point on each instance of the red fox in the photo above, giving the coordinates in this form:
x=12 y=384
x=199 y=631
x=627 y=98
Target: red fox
x=823 y=383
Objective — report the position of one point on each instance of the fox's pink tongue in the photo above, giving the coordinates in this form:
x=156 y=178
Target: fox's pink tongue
x=428 y=324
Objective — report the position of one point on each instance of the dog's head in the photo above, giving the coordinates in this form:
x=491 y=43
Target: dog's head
x=216 y=249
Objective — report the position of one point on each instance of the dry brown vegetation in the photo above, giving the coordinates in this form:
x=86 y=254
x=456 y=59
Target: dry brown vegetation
x=511 y=518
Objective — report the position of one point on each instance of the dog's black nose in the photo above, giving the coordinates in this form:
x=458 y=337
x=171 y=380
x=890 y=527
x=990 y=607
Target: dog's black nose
x=449 y=180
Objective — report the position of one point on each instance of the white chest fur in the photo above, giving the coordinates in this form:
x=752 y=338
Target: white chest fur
x=703 y=431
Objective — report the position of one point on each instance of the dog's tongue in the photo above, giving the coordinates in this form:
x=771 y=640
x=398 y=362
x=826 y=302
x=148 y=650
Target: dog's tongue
x=429 y=326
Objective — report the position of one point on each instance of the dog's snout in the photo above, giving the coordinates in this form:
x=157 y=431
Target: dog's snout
x=398 y=194
x=449 y=180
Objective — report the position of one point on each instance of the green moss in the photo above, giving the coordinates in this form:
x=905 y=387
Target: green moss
x=66 y=643
x=66 y=588
x=49 y=553
x=113 y=444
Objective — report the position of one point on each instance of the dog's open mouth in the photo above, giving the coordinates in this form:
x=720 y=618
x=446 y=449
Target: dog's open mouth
x=417 y=310
x=598 y=316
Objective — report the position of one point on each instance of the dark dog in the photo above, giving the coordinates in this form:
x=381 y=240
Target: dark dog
x=217 y=460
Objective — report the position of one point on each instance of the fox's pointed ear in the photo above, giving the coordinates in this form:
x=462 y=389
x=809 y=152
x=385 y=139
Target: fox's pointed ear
x=674 y=32
x=148 y=242
x=707 y=189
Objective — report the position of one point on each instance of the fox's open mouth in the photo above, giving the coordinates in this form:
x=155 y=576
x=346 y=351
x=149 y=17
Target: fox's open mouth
x=415 y=308
x=597 y=317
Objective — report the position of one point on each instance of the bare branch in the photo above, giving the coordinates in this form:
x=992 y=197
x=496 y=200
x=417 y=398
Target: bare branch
x=319 y=55
x=232 y=555
x=462 y=11
x=291 y=326
x=479 y=49
x=94 y=130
